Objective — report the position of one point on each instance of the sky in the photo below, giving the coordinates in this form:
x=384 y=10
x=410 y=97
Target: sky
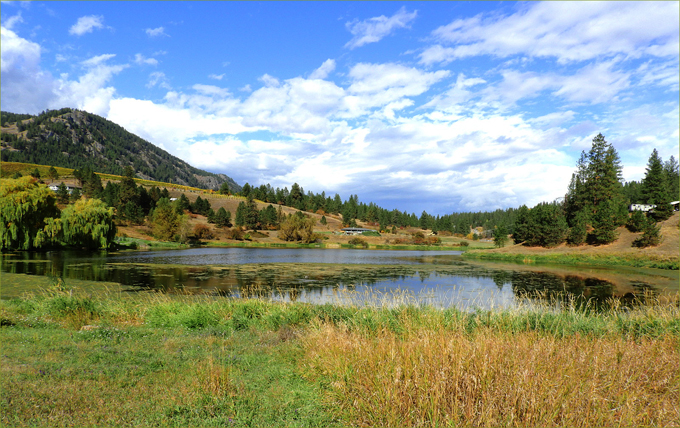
x=437 y=106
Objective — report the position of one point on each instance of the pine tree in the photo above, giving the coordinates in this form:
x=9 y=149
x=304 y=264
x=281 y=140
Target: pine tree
x=651 y=235
x=598 y=179
x=672 y=178
x=655 y=187
x=521 y=228
x=62 y=194
x=500 y=236
x=605 y=221
x=578 y=232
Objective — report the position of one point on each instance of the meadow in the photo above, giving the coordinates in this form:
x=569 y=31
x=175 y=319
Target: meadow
x=75 y=359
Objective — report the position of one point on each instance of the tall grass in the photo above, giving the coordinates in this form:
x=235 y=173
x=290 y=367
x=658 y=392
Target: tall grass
x=155 y=359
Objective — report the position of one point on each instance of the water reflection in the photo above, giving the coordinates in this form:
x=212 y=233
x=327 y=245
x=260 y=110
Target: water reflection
x=308 y=276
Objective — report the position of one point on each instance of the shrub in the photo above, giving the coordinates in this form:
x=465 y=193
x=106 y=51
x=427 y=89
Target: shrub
x=358 y=242
x=235 y=233
x=201 y=231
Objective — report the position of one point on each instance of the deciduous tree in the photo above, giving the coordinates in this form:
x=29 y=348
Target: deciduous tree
x=24 y=208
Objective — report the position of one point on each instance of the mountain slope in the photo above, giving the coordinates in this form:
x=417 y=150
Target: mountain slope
x=74 y=139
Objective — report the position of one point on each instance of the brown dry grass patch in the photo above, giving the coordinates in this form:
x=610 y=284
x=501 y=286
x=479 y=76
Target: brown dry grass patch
x=434 y=378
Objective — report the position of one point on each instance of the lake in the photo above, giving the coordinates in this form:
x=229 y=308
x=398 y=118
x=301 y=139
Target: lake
x=339 y=276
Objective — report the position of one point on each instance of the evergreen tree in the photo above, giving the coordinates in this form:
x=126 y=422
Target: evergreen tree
x=547 y=226
x=500 y=236
x=651 y=235
x=251 y=215
x=672 y=178
x=598 y=179
x=75 y=194
x=655 y=187
x=605 y=221
x=522 y=227
x=636 y=222
x=62 y=194
x=578 y=232
x=223 y=218
x=182 y=203
x=240 y=210
x=53 y=174
x=323 y=220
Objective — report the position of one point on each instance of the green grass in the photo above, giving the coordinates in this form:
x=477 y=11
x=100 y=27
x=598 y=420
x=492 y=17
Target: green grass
x=78 y=359
x=633 y=260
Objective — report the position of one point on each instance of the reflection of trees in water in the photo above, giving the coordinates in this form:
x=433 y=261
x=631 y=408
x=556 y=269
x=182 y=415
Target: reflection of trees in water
x=592 y=292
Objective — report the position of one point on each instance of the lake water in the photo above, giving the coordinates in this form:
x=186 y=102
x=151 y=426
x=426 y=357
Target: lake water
x=337 y=276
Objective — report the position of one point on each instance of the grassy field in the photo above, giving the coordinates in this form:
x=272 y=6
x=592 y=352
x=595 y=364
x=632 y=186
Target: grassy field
x=80 y=360
x=666 y=255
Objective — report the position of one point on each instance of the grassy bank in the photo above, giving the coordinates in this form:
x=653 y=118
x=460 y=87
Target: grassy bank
x=593 y=259
x=192 y=361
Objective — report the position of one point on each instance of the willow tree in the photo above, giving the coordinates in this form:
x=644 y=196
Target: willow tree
x=25 y=206
x=88 y=224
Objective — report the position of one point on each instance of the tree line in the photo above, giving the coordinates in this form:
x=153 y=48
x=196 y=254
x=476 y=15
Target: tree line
x=597 y=203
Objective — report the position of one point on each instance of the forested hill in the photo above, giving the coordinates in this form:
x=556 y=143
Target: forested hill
x=75 y=139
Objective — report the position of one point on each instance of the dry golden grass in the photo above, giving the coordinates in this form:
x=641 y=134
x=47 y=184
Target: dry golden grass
x=431 y=377
x=623 y=245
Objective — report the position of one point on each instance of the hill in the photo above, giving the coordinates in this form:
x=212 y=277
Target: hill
x=621 y=251
x=71 y=138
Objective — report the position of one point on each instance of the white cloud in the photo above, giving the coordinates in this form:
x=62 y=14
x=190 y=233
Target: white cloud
x=269 y=80
x=158 y=78
x=374 y=29
x=142 y=60
x=12 y=21
x=86 y=24
x=216 y=76
x=26 y=88
x=322 y=72
x=156 y=32
x=563 y=30
x=245 y=88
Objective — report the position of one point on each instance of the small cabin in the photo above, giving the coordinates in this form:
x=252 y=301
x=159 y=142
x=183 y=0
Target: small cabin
x=641 y=207
x=650 y=207
x=69 y=189
x=355 y=230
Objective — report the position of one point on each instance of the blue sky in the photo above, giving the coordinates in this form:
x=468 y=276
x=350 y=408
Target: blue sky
x=437 y=106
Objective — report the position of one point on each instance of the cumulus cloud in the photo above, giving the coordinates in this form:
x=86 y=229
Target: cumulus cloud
x=156 y=32
x=26 y=88
x=565 y=31
x=375 y=29
x=86 y=24
x=216 y=76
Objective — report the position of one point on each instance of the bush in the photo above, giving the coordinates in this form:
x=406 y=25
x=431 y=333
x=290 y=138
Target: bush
x=298 y=227
x=358 y=242
x=235 y=233
x=201 y=231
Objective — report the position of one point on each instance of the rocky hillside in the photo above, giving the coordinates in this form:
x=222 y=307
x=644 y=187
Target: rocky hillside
x=74 y=139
